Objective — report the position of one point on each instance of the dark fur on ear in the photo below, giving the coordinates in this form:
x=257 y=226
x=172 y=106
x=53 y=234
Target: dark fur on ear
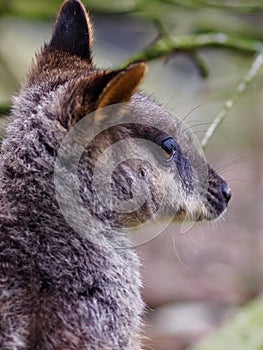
x=73 y=30
x=86 y=94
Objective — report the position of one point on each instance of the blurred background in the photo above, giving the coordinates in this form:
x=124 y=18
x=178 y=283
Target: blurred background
x=202 y=288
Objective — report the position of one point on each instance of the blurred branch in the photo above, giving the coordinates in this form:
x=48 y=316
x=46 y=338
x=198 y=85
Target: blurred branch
x=241 y=88
x=41 y=9
x=166 y=45
x=200 y=64
x=46 y=9
x=237 y=6
x=4 y=109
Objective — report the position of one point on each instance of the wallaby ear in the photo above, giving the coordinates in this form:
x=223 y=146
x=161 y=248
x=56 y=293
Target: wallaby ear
x=122 y=85
x=86 y=95
x=73 y=30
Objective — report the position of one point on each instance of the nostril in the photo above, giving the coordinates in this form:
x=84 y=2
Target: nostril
x=226 y=191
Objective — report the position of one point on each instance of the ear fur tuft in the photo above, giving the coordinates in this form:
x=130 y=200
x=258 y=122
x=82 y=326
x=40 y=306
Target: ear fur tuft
x=87 y=95
x=123 y=85
x=73 y=30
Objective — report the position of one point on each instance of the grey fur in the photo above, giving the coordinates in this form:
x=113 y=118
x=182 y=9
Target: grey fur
x=60 y=290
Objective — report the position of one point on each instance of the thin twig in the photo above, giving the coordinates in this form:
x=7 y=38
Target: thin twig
x=200 y=64
x=241 y=88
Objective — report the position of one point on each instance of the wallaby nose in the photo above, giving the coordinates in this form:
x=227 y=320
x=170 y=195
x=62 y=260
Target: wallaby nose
x=226 y=191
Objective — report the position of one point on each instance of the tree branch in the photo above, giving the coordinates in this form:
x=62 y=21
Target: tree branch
x=237 y=6
x=241 y=88
x=189 y=43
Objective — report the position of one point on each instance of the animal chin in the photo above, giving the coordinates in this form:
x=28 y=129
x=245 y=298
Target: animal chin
x=200 y=216
x=215 y=210
x=214 y=215
x=183 y=215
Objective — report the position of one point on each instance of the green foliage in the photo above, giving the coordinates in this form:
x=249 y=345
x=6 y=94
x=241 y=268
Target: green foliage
x=4 y=109
x=244 y=332
x=30 y=8
x=47 y=8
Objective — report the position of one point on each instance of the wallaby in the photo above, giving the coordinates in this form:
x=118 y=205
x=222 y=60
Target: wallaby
x=62 y=289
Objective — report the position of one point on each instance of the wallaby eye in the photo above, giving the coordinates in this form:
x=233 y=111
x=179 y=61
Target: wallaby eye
x=170 y=147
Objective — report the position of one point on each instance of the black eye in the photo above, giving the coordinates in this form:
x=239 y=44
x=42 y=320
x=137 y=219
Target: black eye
x=170 y=147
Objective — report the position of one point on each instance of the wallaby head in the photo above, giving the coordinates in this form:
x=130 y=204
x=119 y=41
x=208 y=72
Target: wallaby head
x=85 y=150
x=180 y=178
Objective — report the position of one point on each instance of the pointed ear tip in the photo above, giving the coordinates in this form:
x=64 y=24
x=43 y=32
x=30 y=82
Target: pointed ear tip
x=139 y=66
x=72 y=31
x=68 y=7
x=71 y=5
x=71 y=2
x=140 y=63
